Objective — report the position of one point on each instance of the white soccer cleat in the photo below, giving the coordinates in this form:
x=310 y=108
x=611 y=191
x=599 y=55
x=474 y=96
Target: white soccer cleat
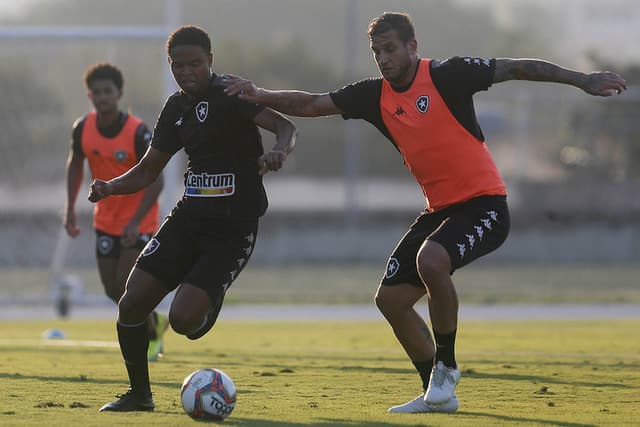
x=442 y=384
x=418 y=406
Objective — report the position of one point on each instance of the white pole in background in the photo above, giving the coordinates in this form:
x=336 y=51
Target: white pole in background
x=351 y=143
x=175 y=167
x=59 y=284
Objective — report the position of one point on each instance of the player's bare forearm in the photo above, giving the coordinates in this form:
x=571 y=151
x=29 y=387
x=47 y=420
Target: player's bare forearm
x=143 y=174
x=596 y=83
x=149 y=198
x=286 y=134
x=292 y=102
x=132 y=181
x=75 y=172
x=536 y=70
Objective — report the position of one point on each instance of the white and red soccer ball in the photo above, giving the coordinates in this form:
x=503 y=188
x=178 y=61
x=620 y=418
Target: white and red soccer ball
x=208 y=394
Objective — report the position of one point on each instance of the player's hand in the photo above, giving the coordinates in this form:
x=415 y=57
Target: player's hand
x=129 y=234
x=69 y=223
x=271 y=161
x=242 y=88
x=604 y=83
x=98 y=190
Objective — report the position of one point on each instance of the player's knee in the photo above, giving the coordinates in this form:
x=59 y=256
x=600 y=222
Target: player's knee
x=114 y=293
x=380 y=299
x=184 y=322
x=127 y=311
x=389 y=301
x=433 y=265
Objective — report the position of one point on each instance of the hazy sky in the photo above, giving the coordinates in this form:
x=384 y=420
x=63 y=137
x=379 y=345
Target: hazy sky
x=612 y=27
x=14 y=7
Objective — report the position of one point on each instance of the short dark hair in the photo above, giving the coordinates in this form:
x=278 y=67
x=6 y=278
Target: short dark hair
x=103 y=71
x=189 y=35
x=401 y=22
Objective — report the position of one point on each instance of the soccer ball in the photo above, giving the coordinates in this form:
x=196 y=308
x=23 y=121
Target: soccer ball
x=208 y=394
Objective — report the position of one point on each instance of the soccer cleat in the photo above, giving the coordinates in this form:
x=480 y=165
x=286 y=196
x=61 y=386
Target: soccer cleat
x=418 y=406
x=212 y=316
x=130 y=401
x=156 y=347
x=442 y=384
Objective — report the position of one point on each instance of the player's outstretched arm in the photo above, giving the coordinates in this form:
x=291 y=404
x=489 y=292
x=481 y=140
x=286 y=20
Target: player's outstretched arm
x=135 y=179
x=286 y=134
x=74 y=174
x=292 y=102
x=601 y=83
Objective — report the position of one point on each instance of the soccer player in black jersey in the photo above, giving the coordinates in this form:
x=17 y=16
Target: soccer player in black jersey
x=425 y=108
x=209 y=236
x=111 y=142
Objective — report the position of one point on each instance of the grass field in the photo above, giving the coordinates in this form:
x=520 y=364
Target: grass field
x=321 y=284
x=569 y=373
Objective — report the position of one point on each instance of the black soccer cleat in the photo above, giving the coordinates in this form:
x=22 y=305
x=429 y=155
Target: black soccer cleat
x=131 y=401
x=212 y=316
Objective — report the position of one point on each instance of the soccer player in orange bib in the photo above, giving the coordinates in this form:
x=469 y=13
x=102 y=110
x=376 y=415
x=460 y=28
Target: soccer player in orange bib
x=425 y=108
x=112 y=142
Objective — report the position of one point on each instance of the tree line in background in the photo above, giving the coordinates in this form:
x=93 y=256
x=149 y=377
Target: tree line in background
x=303 y=47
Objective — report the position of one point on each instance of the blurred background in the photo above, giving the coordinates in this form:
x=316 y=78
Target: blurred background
x=344 y=198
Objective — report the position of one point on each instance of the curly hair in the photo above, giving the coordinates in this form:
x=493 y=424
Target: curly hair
x=189 y=35
x=401 y=22
x=103 y=71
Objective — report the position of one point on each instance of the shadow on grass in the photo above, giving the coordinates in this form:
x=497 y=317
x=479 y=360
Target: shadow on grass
x=524 y=420
x=80 y=379
x=618 y=362
x=324 y=422
x=537 y=379
x=331 y=422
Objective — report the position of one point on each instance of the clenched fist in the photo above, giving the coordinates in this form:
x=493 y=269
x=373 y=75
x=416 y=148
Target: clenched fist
x=98 y=190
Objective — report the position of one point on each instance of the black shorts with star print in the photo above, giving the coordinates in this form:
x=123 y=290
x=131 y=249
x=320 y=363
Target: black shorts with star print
x=467 y=230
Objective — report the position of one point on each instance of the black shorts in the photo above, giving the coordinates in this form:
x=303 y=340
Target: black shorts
x=467 y=230
x=108 y=245
x=208 y=253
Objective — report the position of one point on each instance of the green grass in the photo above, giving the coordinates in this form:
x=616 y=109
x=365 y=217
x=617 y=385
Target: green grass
x=570 y=373
x=322 y=284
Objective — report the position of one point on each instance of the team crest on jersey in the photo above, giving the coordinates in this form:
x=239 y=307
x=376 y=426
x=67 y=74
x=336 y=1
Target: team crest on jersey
x=422 y=103
x=151 y=247
x=392 y=267
x=120 y=156
x=202 y=111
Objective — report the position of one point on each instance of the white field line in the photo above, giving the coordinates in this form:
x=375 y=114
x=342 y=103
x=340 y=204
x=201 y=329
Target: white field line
x=7 y=342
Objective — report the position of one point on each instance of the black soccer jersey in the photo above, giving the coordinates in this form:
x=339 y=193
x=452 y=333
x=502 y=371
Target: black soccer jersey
x=223 y=144
x=456 y=79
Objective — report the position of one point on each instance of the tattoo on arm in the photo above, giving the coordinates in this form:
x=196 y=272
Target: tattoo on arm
x=536 y=70
x=290 y=102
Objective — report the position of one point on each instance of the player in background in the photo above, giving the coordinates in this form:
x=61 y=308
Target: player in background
x=209 y=236
x=112 y=142
x=425 y=108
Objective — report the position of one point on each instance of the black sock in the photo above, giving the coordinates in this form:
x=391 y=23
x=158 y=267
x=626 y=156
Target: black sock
x=445 y=346
x=424 y=370
x=151 y=326
x=134 y=343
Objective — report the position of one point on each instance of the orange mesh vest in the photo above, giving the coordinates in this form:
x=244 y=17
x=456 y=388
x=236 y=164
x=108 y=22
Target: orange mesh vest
x=450 y=164
x=108 y=158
